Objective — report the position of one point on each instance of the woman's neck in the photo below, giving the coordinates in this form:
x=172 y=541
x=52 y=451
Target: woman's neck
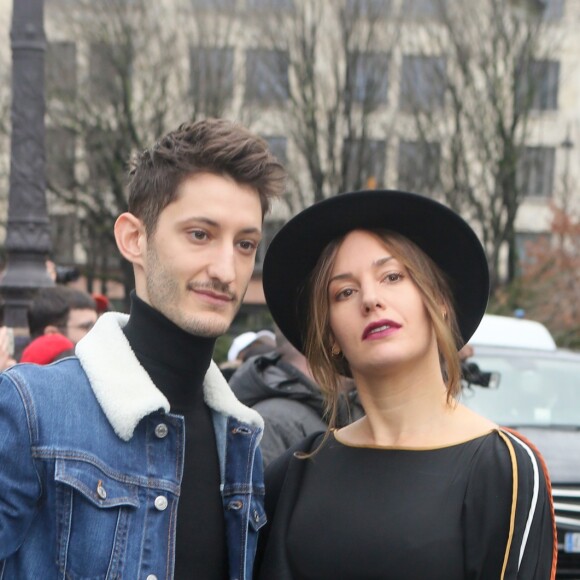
x=407 y=405
x=401 y=409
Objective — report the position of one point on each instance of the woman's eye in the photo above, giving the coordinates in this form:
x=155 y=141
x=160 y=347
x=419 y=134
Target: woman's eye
x=393 y=276
x=344 y=293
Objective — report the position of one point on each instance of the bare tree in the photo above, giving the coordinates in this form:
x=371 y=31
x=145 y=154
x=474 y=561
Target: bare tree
x=336 y=57
x=494 y=71
x=126 y=73
x=547 y=287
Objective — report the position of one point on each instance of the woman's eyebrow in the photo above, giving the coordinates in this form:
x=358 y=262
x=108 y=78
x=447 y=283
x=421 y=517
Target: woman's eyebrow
x=346 y=275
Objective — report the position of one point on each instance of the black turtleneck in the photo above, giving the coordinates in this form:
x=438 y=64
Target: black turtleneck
x=177 y=362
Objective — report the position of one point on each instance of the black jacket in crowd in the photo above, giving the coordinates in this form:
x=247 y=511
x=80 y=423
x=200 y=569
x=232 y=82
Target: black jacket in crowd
x=290 y=403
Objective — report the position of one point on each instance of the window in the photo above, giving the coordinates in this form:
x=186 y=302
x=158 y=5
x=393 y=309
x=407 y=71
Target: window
x=214 y=4
x=98 y=155
x=61 y=70
x=109 y=69
x=422 y=83
x=537 y=86
x=424 y=9
x=60 y=158
x=368 y=8
x=536 y=171
x=365 y=163
x=277 y=146
x=211 y=73
x=527 y=242
x=101 y=71
x=552 y=9
x=270 y=229
x=418 y=166
x=260 y=5
x=266 y=76
x=369 y=77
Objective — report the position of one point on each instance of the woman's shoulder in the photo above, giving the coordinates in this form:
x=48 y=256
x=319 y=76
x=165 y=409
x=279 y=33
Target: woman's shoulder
x=507 y=455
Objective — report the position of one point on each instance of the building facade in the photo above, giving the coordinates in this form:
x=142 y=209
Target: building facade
x=350 y=94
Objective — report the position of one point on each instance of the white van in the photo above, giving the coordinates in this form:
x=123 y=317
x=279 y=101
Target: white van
x=508 y=332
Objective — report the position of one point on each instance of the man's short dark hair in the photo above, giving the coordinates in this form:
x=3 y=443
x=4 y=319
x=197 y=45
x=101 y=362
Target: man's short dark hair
x=78 y=299
x=214 y=146
x=50 y=307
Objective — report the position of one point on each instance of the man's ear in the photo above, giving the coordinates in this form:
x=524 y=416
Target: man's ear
x=131 y=237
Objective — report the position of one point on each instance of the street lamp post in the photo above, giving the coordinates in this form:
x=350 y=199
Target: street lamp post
x=28 y=235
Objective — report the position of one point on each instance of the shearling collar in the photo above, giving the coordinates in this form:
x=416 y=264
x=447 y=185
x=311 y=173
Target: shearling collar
x=125 y=391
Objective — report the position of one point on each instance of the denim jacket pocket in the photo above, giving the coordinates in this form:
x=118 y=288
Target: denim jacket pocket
x=93 y=512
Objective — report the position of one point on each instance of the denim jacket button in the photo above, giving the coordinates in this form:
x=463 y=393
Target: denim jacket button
x=160 y=502
x=161 y=430
x=151 y=577
x=101 y=491
x=235 y=505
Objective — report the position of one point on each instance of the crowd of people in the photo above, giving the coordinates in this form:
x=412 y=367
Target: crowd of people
x=330 y=446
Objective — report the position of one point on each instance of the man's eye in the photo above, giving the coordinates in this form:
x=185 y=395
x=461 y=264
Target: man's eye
x=198 y=234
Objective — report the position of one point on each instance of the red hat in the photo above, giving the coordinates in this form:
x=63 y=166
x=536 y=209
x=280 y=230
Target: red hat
x=44 y=349
x=102 y=302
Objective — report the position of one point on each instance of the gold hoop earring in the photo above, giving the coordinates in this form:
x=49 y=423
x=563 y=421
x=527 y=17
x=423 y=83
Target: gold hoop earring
x=335 y=351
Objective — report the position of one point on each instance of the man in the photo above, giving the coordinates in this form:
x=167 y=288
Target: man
x=280 y=386
x=61 y=309
x=244 y=346
x=58 y=318
x=82 y=314
x=135 y=460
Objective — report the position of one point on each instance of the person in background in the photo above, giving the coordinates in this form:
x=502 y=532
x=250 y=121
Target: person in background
x=280 y=386
x=6 y=348
x=82 y=313
x=246 y=345
x=61 y=310
x=386 y=287
x=102 y=302
x=47 y=348
x=48 y=313
x=134 y=459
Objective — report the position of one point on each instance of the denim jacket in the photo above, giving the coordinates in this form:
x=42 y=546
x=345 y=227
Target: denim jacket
x=91 y=462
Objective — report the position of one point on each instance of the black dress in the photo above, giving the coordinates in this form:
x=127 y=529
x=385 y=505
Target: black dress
x=478 y=509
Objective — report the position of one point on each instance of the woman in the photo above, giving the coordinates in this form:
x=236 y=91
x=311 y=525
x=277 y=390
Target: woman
x=386 y=287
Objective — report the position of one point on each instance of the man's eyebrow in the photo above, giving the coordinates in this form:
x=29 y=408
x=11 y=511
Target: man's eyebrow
x=212 y=223
x=201 y=219
x=347 y=275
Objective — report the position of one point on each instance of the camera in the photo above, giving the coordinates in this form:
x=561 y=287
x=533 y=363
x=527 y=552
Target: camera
x=66 y=274
x=473 y=375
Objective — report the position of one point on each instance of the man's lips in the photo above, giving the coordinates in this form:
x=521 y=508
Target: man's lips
x=380 y=328
x=213 y=294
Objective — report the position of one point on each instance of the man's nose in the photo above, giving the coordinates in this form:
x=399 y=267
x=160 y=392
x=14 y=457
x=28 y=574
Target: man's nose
x=222 y=264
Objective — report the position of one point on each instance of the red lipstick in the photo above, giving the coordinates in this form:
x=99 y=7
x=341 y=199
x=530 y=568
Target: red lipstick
x=380 y=329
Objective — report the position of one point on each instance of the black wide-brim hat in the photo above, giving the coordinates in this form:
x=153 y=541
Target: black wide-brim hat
x=440 y=232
